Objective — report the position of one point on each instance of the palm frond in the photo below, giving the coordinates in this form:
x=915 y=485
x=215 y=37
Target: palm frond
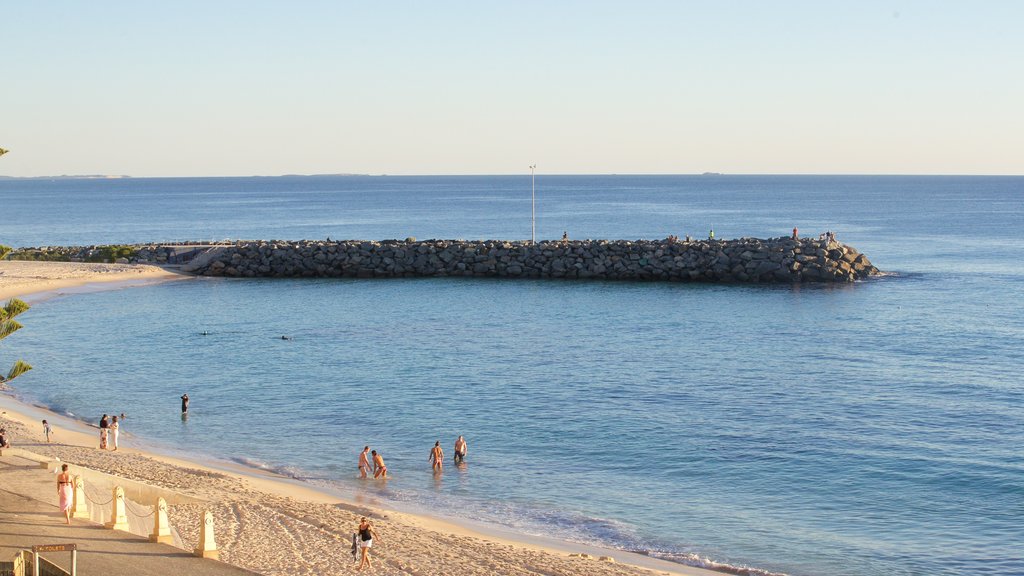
x=13 y=308
x=8 y=327
x=18 y=369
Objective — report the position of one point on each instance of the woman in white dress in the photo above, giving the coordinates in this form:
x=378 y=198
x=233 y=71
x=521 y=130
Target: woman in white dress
x=115 y=430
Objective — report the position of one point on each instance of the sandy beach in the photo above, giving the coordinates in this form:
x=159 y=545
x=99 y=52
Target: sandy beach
x=32 y=280
x=275 y=525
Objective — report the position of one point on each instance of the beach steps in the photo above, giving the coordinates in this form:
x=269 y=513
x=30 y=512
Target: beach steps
x=30 y=516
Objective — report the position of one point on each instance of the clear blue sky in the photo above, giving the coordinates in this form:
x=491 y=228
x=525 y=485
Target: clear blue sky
x=179 y=88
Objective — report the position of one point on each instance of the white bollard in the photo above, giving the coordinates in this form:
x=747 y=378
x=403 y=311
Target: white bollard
x=79 y=508
x=118 y=518
x=161 y=529
x=207 y=547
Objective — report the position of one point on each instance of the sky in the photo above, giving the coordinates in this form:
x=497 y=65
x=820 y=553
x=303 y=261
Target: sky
x=235 y=88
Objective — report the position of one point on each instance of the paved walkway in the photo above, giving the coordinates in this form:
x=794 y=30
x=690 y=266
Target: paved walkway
x=29 y=516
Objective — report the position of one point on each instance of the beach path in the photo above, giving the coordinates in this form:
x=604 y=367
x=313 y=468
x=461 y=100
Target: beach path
x=29 y=516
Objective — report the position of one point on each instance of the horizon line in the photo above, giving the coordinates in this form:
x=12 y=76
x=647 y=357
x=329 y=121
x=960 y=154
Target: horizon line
x=475 y=174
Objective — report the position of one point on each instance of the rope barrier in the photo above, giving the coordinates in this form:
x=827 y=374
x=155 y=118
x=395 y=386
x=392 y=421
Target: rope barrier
x=129 y=506
x=93 y=500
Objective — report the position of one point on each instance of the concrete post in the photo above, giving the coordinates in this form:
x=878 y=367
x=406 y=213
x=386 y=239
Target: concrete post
x=207 y=547
x=79 y=508
x=118 y=518
x=161 y=529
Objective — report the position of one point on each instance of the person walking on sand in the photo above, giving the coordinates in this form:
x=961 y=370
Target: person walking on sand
x=379 y=469
x=460 y=450
x=115 y=430
x=47 y=431
x=364 y=462
x=65 y=491
x=366 y=537
x=184 y=403
x=436 y=456
x=104 y=426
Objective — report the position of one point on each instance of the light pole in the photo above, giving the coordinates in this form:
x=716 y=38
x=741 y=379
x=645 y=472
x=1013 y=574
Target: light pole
x=533 y=211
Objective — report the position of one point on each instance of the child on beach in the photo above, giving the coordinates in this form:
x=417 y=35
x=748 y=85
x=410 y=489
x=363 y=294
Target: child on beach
x=47 y=430
x=3 y=439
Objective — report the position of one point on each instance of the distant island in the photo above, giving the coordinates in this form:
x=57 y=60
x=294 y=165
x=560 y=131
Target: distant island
x=124 y=176
x=68 y=177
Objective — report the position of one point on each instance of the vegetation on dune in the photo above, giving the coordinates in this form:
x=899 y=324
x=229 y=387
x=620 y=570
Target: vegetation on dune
x=73 y=254
x=8 y=326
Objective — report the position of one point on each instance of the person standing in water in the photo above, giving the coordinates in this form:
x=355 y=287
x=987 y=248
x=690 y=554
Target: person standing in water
x=184 y=403
x=364 y=462
x=379 y=469
x=460 y=450
x=366 y=538
x=436 y=456
x=65 y=491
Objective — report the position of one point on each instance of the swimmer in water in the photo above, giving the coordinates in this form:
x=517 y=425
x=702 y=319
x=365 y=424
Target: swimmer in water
x=436 y=456
x=379 y=469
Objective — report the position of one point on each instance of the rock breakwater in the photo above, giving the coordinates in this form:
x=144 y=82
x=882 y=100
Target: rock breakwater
x=743 y=260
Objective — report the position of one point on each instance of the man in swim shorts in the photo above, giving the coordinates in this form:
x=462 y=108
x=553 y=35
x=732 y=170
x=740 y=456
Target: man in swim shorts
x=460 y=450
x=364 y=462
x=379 y=469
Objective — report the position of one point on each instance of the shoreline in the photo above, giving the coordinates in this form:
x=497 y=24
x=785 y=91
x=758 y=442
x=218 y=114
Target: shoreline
x=37 y=281
x=518 y=550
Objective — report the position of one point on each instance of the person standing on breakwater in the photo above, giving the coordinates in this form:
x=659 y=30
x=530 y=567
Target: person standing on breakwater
x=184 y=403
x=711 y=234
x=436 y=456
x=65 y=491
x=460 y=450
x=47 y=431
x=364 y=462
x=366 y=537
x=115 y=429
x=795 y=236
x=104 y=425
x=379 y=469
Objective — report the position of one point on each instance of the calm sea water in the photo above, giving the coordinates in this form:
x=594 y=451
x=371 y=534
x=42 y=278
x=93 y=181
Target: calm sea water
x=872 y=429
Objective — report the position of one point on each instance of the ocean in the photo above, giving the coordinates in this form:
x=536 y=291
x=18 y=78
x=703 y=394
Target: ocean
x=867 y=429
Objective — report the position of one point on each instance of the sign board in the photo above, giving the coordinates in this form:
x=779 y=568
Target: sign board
x=55 y=548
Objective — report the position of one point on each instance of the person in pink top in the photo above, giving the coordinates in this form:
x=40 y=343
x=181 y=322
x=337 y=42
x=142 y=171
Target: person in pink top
x=66 y=492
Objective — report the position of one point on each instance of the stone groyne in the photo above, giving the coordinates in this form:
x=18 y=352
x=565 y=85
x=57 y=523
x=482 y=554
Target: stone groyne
x=743 y=260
